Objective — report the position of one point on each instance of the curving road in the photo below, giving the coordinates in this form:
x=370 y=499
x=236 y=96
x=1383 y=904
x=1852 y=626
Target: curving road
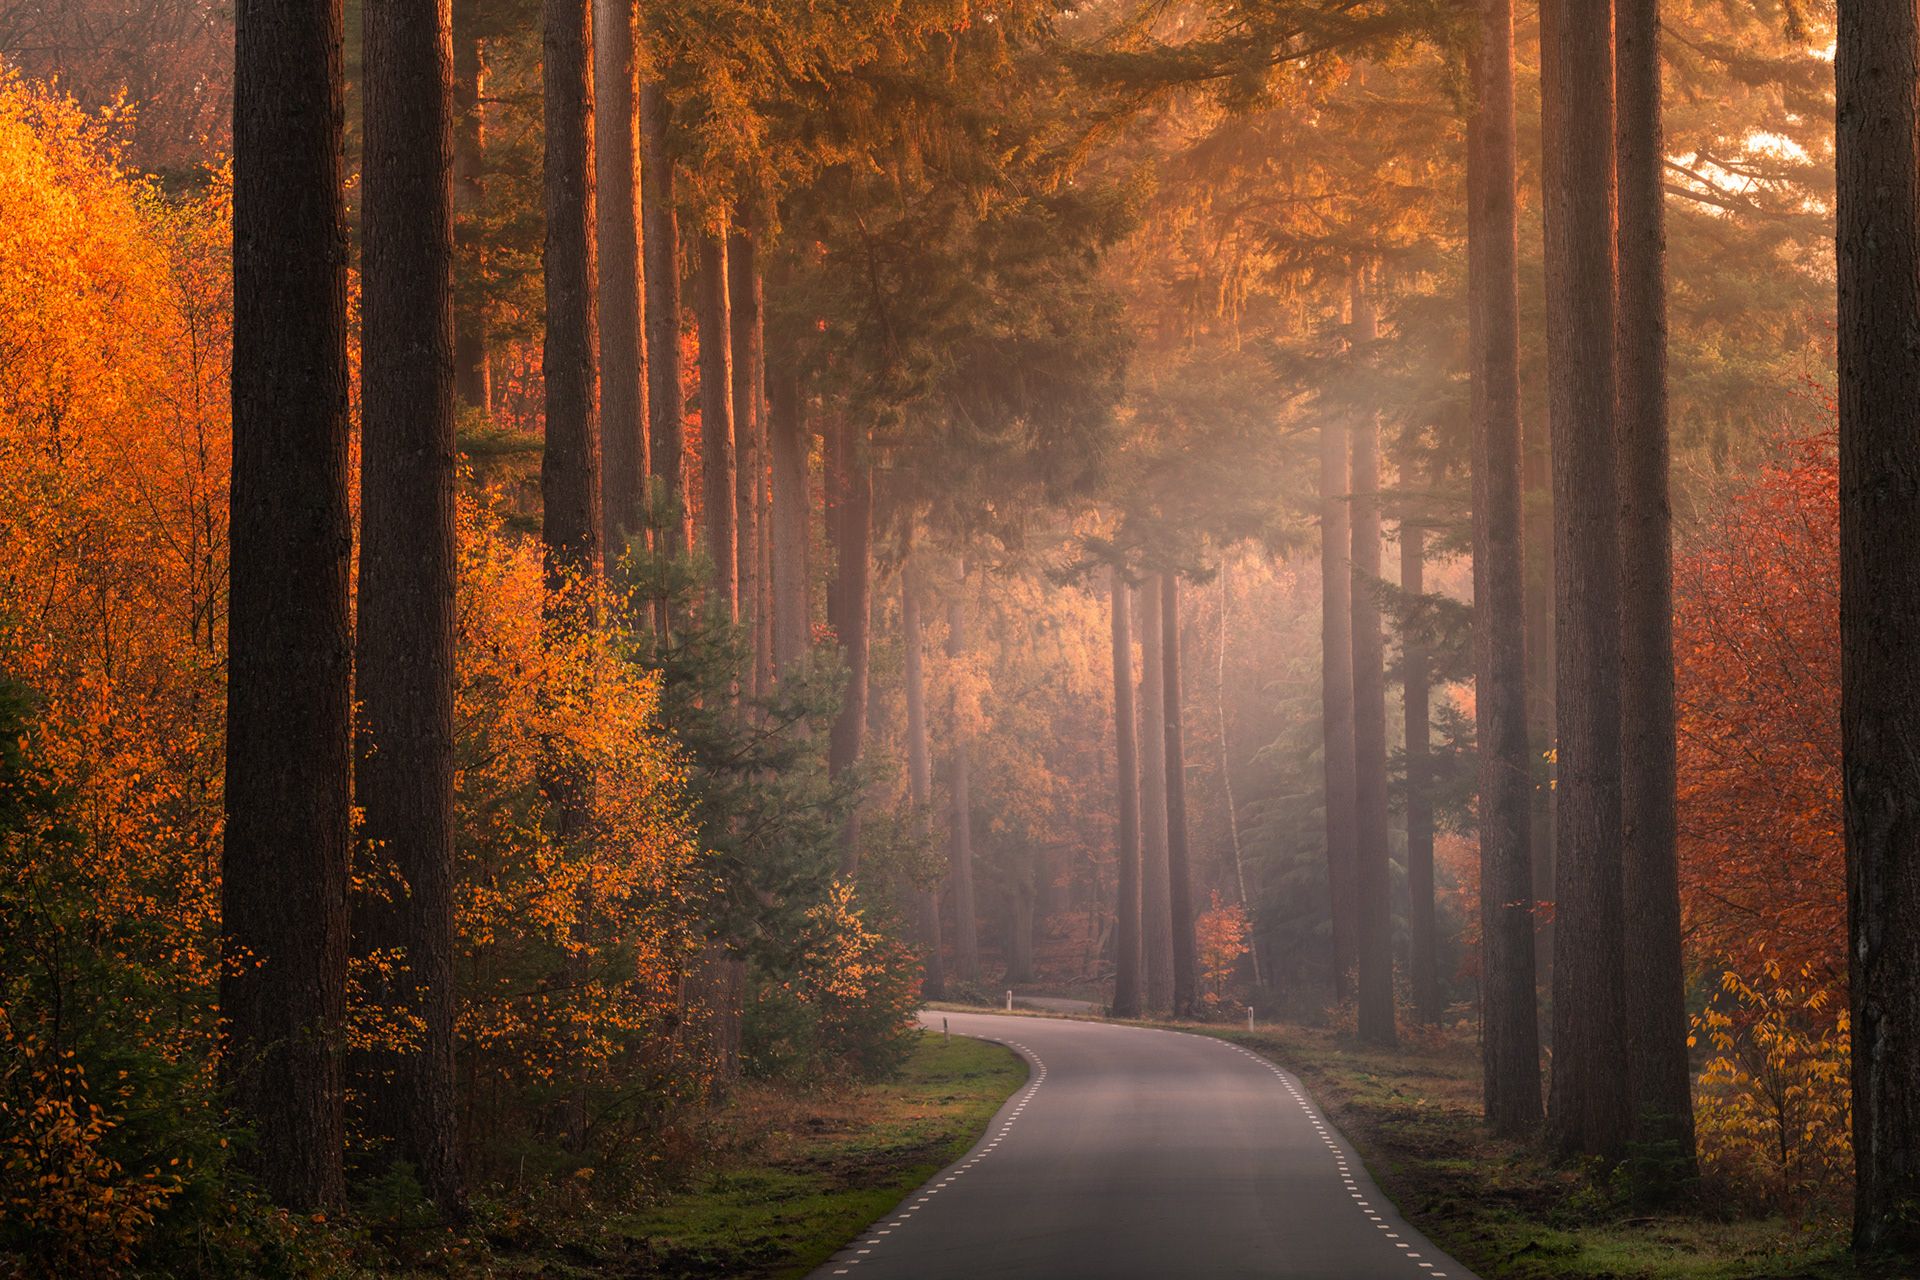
x=1133 y=1152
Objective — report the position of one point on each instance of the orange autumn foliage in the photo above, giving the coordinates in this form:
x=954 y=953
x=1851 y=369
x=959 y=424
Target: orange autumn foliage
x=1758 y=682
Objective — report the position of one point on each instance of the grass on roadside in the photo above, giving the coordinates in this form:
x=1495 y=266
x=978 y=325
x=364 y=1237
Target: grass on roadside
x=798 y=1177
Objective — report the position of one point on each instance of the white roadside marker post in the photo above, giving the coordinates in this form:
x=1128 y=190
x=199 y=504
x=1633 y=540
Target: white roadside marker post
x=1249 y=1017
x=1009 y=1002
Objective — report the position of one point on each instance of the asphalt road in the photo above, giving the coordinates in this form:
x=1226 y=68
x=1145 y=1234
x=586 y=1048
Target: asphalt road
x=1139 y=1153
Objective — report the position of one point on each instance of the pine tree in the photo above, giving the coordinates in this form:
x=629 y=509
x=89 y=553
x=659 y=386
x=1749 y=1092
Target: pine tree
x=1186 y=957
x=621 y=283
x=1127 y=952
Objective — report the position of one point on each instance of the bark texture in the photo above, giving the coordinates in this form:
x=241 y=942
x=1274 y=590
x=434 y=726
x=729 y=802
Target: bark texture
x=791 y=535
x=1372 y=868
x=1336 y=702
x=1509 y=1016
x=719 y=461
x=623 y=353
x=284 y=863
x=1878 y=71
x=1588 y=1110
x=666 y=425
x=1156 y=928
x=472 y=368
x=404 y=657
x=1186 y=957
x=1127 y=974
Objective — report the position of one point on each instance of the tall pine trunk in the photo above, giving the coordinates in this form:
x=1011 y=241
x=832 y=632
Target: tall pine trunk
x=750 y=442
x=1655 y=1015
x=719 y=462
x=285 y=858
x=1156 y=915
x=623 y=354
x=1372 y=860
x=404 y=656
x=1509 y=1011
x=1423 y=970
x=852 y=474
x=1126 y=981
x=1879 y=269
x=1536 y=477
x=1186 y=952
x=666 y=426
x=472 y=368
x=920 y=773
x=791 y=523
x=1589 y=1111
x=1226 y=782
x=966 y=921
x=1336 y=703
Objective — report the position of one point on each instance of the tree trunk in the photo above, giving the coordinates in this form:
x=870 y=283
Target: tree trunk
x=787 y=441
x=920 y=773
x=1588 y=1110
x=1423 y=961
x=404 y=657
x=719 y=462
x=1659 y=1080
x=1537 y=553
x=1126 y=981
x=1156 y=913
x=285 y=860
x=853 y=595
x=1509 y=1017
x=1226 y=784
x=750 y=441
x=1186 y=958
x=1336 y=703
x=1372 y=866
x=666 y=428
x=472 y=372
x=1879 y=269
x=623 y=355
x=966 y=925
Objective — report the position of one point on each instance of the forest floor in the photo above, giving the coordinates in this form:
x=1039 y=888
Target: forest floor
x=792 y=1176
x=1504 y=1208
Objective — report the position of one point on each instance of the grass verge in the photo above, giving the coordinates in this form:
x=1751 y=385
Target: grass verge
x=795 y=1177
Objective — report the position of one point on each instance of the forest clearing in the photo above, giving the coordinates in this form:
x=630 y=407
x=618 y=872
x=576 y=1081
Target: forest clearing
x=1050 y=638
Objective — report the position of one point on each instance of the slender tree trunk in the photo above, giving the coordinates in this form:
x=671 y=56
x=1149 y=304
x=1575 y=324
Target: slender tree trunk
x=623 y=354
x=1659 y=1080
x=1336 y=703
x=1156 y=911
x=750 y=440
x=472 y=372
x=787 y=441
x=1423 y=967
x=666 y=427
x=1537 y=554
x=853 y=591
x=285 y=859
x=1589 y=1110
x=1879 y=261
x=1510 y=1034
x=719 y=462
x=920 y=773
x=1126 y=981
x=404 y=657
x=1373 y=873
x=1226 y=781
x=966 y=923
x=1186 y=953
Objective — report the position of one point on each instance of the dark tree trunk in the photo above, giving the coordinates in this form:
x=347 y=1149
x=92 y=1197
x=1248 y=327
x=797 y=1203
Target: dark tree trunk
x=1186 y=953
x=1126 y=982
x=719 y=463
x=1509 y=1017
x=750 y=441
x=1879 y=261
x=1588 y=1108
x=1536 y=477
x=1372 y=866
x=1659 y=1080
x=1254 y=946
x=284 y=864
x=404 y=657
x=623 y=354
x=966 y=924
x=1156 y=915
x=787 y=441
x=920 y=773
x=1336 y=703
x=472 y=370
x=1423 y=961
x=666 y=427
x=853 y=595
